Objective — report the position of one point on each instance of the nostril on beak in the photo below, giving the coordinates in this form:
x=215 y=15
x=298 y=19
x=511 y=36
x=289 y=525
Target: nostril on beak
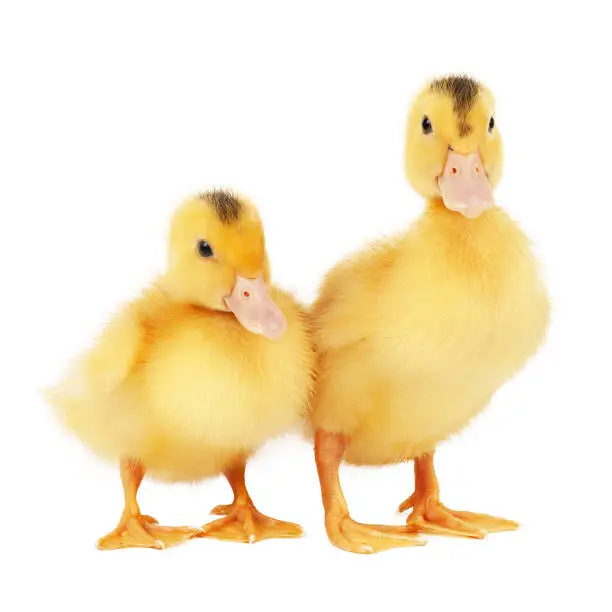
x=454 y=170
x=246 y=294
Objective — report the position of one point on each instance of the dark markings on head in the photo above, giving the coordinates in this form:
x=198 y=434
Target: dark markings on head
x=463 y=91
x=227 y=206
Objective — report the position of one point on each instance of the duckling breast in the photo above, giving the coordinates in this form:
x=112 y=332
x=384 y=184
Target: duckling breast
x=210 y=385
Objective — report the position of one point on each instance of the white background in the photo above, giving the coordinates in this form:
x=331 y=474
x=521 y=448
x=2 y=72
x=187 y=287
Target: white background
x=112 y=112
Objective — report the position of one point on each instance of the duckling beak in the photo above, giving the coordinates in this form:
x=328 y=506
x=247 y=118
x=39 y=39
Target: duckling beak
x=464 y=185
x=252 y=305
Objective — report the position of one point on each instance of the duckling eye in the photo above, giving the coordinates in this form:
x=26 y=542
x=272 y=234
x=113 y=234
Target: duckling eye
x=491 y=124
x=204 y=249
x=426 y=125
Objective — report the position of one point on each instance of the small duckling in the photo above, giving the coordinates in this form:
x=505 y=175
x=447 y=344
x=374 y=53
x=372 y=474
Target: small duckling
x=416 y=334
x=187 y=381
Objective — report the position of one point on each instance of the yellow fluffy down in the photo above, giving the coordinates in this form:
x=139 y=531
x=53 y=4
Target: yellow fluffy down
x=184 y=389
x=416 y=334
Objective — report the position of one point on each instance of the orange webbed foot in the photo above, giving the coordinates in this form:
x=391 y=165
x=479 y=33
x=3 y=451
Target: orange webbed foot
x=349 y=535
x=141 y=531
x=429 y=515
x=242 y=522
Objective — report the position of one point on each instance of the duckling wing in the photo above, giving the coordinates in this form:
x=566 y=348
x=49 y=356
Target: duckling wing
x=345 y=311
x=106 y=365
x=114 y=355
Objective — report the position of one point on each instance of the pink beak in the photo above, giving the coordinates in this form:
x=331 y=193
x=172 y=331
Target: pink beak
x=254 y=308
x=464 y=185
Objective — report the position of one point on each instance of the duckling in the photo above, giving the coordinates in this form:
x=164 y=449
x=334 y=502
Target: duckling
x=416 y=334
x=187 y=381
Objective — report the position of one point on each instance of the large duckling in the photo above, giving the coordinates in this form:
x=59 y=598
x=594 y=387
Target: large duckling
x=416 y=334
x=190 y=379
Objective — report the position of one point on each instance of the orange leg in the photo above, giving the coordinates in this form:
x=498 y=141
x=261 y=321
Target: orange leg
x=136 y=530
x=342 y=530
x=242 y=522
x=429 y=515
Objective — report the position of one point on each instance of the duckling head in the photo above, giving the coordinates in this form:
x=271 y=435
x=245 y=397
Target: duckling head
x=453 y=146
x=217 y=260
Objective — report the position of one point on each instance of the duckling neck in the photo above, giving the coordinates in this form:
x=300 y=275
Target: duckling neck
x=490 y=234
x=479 y=230
x=435 y=206
x=167 y=288
x=177 y=297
